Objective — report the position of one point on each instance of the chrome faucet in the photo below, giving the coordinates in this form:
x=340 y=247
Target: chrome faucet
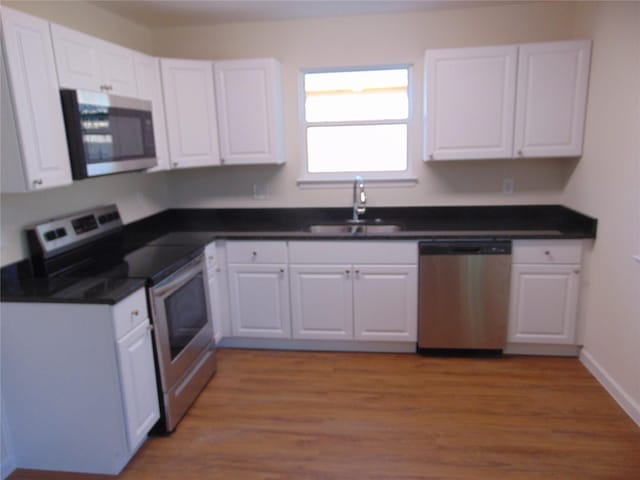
x=359 y=198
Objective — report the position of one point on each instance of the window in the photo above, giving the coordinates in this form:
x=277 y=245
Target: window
x=355 y=122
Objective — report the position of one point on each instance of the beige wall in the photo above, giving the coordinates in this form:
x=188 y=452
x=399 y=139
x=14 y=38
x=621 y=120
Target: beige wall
x=370 y=40
x=606 y=185
x=137 y=195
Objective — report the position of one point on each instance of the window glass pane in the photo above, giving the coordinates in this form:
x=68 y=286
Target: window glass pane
x=356 y=96
x=357 y=148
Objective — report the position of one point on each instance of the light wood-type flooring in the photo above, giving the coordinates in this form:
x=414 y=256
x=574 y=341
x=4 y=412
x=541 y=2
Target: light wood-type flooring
x=321 y=416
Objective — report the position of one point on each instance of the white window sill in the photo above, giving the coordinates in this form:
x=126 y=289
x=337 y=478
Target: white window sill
x=348 y=183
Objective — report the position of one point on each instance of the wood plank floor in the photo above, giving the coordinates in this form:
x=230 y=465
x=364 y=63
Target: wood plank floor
x=271 y=415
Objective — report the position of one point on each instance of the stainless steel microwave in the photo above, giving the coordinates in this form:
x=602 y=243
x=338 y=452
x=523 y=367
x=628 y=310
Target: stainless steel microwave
x=107 y=134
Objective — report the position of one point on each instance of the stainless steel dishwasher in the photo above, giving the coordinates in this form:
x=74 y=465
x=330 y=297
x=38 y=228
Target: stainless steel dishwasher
x=464 y=296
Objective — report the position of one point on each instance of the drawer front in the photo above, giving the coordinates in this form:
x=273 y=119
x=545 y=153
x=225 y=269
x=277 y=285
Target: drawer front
x=129 y=313
x=354 y=252
x=256 y=252
x=547 y=251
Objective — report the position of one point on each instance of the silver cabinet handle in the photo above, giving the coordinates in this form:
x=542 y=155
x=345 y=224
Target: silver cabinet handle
x=37 y=182
x=135 y=313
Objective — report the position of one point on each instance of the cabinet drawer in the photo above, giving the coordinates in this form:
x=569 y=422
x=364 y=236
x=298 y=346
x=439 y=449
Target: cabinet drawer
x=547 y=251
x=129 y=313
x=354 y=252
x=257 y=252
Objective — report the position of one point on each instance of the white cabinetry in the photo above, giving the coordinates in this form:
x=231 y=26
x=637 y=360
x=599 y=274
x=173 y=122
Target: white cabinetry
x=479 y=104
x=322 y=301
x=149 y=86
x=470 y=95
x=249 y=107
x=354 y=290
x=551 y=101
x=190 y=113
x=544 y=291
x=83 y=396
x=87 y=63
x=259 y=289
x=34 y=146
x=215 y=254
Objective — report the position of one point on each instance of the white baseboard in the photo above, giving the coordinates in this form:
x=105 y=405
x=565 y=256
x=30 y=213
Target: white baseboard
x=628 y=404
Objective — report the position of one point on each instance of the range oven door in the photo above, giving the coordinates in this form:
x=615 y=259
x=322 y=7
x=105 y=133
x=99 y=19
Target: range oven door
x=182 y=320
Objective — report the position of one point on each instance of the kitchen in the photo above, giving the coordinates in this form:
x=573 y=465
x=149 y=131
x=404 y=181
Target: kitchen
x=606 y=190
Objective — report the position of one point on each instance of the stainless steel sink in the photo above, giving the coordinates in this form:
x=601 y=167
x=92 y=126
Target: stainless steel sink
x=345 y=228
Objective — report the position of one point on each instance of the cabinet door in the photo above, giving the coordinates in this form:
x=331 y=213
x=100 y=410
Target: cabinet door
x=149 y=87
x=118 y=73
x=191 y=113
x=259 y=301
x=138 y=380
x=35 y=154
x=249 y=99
x=543 y=303
x=77 y=59
x=470 y=95
x=385 y=302
x=322 y=301
x=552 y=98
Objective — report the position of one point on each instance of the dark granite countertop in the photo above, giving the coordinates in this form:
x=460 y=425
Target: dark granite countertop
x=205 y=225
x=421 y=223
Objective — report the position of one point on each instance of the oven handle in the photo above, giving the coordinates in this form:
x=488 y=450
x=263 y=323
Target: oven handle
x=178 y=278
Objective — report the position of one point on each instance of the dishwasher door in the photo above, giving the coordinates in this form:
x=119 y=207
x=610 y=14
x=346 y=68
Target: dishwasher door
x=464 y=295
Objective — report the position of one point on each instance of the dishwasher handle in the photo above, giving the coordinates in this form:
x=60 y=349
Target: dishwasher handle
x=466 y=247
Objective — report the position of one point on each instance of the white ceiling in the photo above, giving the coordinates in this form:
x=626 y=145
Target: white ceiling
x=162 y=13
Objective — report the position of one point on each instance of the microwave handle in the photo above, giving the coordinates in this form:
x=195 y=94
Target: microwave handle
x=178 y=278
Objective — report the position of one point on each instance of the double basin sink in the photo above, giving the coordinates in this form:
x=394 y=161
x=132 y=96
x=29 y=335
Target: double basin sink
x=349 y=228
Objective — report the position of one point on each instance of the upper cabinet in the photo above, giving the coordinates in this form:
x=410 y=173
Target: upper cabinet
x=551 y=100
x=87 y=63
x=470 y=95
x=249 y=107
x=149 y=86
x=34 y=147
x=506 y=101
x=191 y=113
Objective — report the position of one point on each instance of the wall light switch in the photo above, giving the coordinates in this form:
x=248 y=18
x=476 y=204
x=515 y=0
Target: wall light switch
x=259 y=191
x=507 y=186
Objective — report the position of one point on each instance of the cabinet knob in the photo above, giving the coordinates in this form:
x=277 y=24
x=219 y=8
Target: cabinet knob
x=520 y=152
x=576 y=271
x=222 y=160
x=431 y=156
x=357 y=272
x=218 y=269
x=37 y=182
x=175 y=164
x=547 y=252
x=282 y=270
x=210 y=257
x=254 y=254
x=347 y=272
x=135 y=313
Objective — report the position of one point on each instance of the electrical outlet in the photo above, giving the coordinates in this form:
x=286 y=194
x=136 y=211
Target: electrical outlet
x=259 y=191
x=507 y=186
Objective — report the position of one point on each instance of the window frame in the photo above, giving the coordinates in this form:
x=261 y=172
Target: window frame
x=399 y=178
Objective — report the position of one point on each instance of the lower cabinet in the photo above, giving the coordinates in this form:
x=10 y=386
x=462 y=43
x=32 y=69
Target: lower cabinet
x=545 y=279
x=82 y=397
x=385 y=302
x=259 y=297
x=373 y=297
x=322 y=301
x=544 y=300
